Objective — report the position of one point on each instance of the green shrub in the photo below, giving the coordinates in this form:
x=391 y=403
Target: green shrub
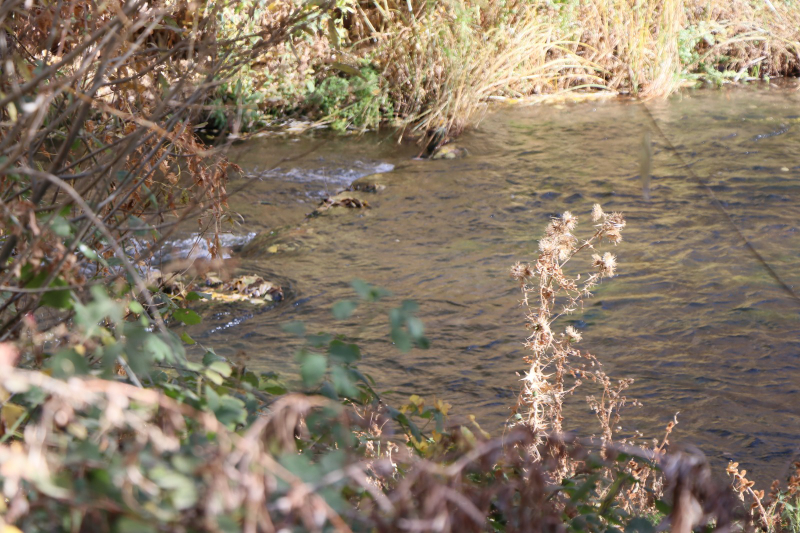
x=354 y=102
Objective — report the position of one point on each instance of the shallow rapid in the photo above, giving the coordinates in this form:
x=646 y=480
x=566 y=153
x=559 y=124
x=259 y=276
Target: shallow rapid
x=693 y=315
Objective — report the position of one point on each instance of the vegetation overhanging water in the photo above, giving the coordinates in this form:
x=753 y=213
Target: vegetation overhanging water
x=116 y=119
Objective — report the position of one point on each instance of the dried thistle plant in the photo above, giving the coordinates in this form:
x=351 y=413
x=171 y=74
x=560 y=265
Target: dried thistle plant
x=774 y=511
x=549 y=293
x=558 y=367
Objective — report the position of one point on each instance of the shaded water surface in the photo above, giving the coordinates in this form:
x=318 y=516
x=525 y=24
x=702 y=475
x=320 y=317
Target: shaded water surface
x=692 y=315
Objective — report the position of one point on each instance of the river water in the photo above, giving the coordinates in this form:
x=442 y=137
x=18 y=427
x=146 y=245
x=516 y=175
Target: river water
x=693 y=316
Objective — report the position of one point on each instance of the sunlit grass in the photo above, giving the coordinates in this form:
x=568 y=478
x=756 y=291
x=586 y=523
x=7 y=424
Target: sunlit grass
x=442 y=62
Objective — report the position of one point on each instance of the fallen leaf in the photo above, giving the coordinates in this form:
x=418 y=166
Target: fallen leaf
x=9 y=415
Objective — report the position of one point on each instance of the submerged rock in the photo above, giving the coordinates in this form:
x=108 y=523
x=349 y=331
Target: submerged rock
x=170 y=283
x=449 y=151
x=285 y=239
x=210 y=286
x=252 y=289
x=371 y=183
x=343 y=199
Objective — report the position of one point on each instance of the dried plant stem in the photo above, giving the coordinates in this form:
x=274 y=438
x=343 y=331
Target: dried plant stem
x=554 y=358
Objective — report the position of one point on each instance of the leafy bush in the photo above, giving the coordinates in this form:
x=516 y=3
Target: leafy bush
x=439 y=63
x=213 y=446
x=210 y=446
x=355 y=102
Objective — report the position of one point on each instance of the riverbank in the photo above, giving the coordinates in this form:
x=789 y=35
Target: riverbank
x=427 y=67
x=134 y=399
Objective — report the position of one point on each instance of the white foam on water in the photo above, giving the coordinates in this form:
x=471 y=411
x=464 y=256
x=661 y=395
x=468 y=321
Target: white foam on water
x=196 y=247
x=329 y=175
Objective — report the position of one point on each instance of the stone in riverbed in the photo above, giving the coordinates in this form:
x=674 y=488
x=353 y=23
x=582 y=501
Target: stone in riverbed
x=348 y=199
x=249 y=288
x=371 y=183
x=449 y=151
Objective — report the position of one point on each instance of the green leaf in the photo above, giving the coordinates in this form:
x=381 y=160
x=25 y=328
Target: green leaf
x=228 y=524
x=320 y=340
x=142 y=347
x=193 y=296
x=312 y=369
x=368 y=292
x=250 y=378
x=328 y=391
x=272 y=386
x=67 y=363
x=187 y=339
x=342 y=382
x=150 y=196
x=61 y=227
x=210 y=356
x=640 y=525
x=295 y=328
x=140 y=227
x=401 y=339
x=663 y=507
x=396 y=318
x=344 y=353
x=213 y=377
x=129 y=525
x=212 y=398
x=58 y=299
x=136 y=307
x=415 y=327
x=181 y=488
x=343 y=309
x=405 y=421
x=35 y=396
x=221 y=367
x=333 y=460
x=301 y=466
x=187 y=316
x=409 y=306
x=89 y=253
x=192 y=366
x=230 y=411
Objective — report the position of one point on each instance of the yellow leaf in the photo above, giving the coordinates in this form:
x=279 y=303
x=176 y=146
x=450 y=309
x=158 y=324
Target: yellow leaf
x=9 y=529
x=416 y=400
x=10 y=414
x=485 y=434
x=469 y=436
x=273 y=249
x=443 y=406
x=421 y=445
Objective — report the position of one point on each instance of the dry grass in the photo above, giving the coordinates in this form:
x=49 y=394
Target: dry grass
x=442 y=64
x=644 y=47
x=443 y=61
